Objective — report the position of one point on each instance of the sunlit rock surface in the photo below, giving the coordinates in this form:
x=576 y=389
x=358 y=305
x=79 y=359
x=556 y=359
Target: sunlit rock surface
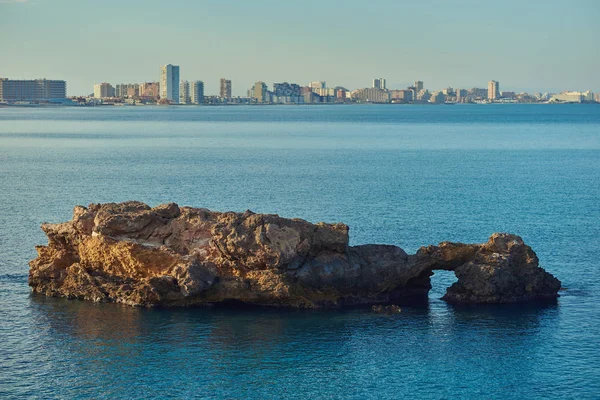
x=181 y=256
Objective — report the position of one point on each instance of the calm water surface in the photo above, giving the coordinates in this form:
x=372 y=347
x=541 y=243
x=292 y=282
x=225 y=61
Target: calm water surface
x=405 y=175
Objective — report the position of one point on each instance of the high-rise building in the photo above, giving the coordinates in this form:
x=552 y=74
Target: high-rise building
x=32 y=90
x=125 y=90
x=437 y=97
x=103 y=90
x=225 y=92
x=121 y=90
x=418 y=86
x=308 y=94
x=149 y=90
x=133 y=90
x=55 y=89
x=324 y=91
x=197 y=92
x=413 y=91
x=478 y=93
x=287 y=93
x=260 y=92
x=317 y=85
x=371 y=95
x=404 y=95
x=493 y=92
x=184 y=93
x=379 y=83
x=169 y=82
x=423 y=95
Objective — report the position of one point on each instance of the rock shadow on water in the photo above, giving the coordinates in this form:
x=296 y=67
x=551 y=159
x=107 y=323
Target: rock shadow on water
x=225 y=324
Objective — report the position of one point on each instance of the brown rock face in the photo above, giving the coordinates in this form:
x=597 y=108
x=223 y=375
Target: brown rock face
x=181 y=256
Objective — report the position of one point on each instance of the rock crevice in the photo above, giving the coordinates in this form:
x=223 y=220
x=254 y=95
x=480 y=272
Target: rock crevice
x=181 y=256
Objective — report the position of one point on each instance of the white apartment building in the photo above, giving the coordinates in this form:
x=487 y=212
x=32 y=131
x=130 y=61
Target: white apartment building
x=102 y=90
x=184 y=93
x=169 y=82
x=493 y=90
x=573 y=97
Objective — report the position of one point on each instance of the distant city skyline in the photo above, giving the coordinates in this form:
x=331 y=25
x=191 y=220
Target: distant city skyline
x=529 y=46
x=169 y=90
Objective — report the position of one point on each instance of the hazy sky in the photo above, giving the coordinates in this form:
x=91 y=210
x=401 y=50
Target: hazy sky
x=529 y=45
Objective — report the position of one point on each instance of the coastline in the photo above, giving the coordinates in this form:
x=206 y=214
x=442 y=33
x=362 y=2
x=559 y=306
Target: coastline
x=119 y=105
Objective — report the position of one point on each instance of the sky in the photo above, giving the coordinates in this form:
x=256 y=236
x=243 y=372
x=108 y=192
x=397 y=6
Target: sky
x=526 y=45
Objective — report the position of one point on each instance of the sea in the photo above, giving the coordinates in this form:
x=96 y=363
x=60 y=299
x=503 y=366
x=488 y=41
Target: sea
x=408 y=175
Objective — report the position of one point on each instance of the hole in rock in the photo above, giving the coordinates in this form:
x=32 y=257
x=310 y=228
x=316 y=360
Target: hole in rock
x=440 y=282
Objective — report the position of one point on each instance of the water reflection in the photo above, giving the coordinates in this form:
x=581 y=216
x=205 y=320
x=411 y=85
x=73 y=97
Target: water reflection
x=88 y=320
x=230 y=326
x=223 y=348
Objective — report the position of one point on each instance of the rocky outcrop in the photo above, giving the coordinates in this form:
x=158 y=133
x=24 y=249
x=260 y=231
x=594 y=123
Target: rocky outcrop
x=181 y=256
x=389 y=309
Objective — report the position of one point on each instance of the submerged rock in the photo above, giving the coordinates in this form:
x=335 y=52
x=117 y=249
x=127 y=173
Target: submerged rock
x=391 y=309
x=181 y=256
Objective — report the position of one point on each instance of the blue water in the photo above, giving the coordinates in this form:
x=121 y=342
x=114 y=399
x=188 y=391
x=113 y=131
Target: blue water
x=405 y=175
